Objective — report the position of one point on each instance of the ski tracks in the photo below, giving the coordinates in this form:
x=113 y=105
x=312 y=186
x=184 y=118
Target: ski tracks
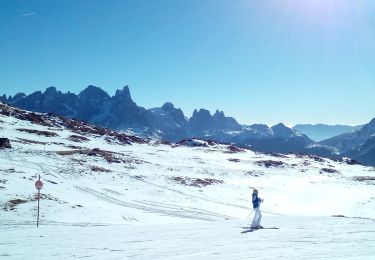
x=156 y=207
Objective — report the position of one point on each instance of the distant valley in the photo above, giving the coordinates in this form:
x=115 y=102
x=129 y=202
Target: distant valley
x=320 y=132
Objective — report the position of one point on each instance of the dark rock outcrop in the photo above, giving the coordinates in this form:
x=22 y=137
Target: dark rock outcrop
x=5 y=143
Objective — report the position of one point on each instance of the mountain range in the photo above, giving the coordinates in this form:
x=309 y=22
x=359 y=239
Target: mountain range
x=168 y=123
x=320 y=132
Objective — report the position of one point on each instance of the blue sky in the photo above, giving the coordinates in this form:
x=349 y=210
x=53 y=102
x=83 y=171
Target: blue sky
x=291 y=61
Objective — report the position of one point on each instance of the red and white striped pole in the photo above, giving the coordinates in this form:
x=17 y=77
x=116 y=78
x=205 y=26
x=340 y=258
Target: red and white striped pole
x=38 y=186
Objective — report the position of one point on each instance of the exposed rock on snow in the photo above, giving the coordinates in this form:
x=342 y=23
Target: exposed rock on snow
x=270 y=163
x=78 y=138
x=11 y=204
x=37 y=132
x=329 y=170
x=195 y=182
x=234 y=149
x=99 y=169
x=5 y=143
x=348 y=161
x=364 y=178
x=107 y=155
x=197 y=143
x=28 y=141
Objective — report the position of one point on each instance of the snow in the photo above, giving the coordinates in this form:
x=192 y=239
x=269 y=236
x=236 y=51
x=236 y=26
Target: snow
x=143 y=209
x=297 y=238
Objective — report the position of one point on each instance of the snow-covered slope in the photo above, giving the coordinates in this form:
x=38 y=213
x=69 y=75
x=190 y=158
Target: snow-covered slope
x=112 y=196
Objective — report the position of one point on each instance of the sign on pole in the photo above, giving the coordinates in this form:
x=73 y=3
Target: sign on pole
x=38 y=186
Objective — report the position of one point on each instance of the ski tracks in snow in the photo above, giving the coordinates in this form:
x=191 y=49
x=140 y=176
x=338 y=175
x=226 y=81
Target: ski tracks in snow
x=156 y=207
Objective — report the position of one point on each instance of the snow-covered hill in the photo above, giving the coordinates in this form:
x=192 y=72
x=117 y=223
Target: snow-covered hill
x=111 y=196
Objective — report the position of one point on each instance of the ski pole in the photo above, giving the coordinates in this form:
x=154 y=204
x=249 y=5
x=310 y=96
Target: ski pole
x=250 y=213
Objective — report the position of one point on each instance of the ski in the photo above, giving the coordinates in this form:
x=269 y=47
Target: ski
x=249 y=229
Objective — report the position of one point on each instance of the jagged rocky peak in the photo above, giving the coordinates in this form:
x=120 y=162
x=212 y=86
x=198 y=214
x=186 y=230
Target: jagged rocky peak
x=17 y=96
x=202 y=120
x=202 y=113
x=279 y=125
x=259 y=126
x=93 y=91
x=367 y=130
x=50 y=90
x=371 y=124
x=50 y=93
x=3 y=98
x=168 y=107
x=122 y=100
x=282 y=130
x=219 y=114
x=123 y=93
x=36 y=93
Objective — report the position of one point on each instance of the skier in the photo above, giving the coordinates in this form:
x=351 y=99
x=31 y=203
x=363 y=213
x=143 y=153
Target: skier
x=258 y=215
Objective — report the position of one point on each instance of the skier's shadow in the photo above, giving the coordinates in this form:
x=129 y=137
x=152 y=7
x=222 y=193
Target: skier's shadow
x=248 y=229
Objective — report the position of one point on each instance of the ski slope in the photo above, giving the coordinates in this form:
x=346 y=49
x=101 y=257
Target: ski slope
x=297 y=238
x=107 y=199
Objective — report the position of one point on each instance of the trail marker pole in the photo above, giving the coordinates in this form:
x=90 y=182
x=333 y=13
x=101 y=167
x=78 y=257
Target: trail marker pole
x=38 y=186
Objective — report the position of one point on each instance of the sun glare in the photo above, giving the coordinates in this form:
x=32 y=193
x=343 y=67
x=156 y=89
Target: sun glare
x=324 y=11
